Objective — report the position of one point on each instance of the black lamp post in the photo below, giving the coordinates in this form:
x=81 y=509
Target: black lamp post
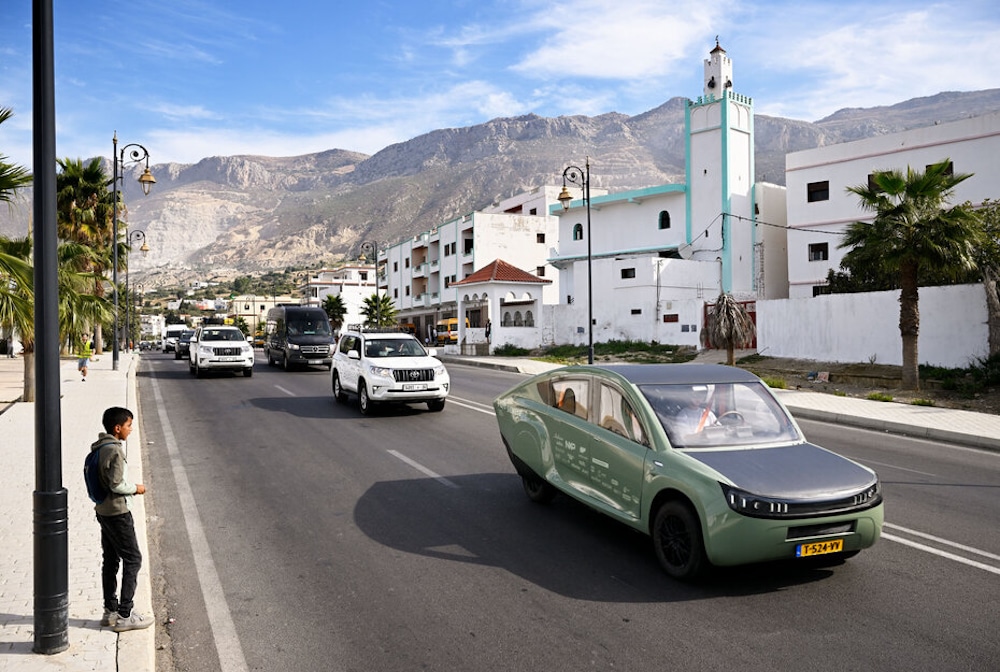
x=136 y=153
x=132 y=237
x=581 y=178
x=138 y=291
x=372 y=247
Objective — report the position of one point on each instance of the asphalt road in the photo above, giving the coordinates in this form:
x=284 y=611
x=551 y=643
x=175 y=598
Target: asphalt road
x=291 y=533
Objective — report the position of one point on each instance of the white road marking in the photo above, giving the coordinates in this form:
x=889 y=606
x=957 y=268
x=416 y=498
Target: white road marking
x=220 y=620
x=422 y=469
x=468 y=403
x=288 y=392
x=943 y=554
x=924 y=535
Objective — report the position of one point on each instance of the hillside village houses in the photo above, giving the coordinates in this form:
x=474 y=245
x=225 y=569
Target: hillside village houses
x=661 y=255
x=354 y=283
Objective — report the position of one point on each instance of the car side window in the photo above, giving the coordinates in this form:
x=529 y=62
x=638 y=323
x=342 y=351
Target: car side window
x=617 y=415
x=572 y=396
x=348 y=343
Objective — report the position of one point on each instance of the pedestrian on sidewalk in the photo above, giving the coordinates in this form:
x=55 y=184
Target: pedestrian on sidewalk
x=83 y=355
x=118 y=541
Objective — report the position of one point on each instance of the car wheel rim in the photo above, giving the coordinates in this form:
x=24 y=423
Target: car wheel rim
x=675 y=541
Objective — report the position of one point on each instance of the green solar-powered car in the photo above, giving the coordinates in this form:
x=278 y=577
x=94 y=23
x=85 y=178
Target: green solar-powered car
x=703 y=458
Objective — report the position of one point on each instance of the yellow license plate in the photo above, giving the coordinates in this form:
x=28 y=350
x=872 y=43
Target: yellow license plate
x=819 y=548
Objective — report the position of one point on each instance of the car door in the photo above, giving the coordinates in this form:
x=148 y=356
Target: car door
x=570 y=432
x=619 y=451
x=349 y=369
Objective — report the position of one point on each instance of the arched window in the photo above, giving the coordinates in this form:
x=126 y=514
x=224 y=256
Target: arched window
x=529 y=319
x=664 y=219
x=506 y=322
x=578 y=232
x=518 y=320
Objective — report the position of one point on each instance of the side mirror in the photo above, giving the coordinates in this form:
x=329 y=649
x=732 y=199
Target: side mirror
x=354 y=354
x=433 y=352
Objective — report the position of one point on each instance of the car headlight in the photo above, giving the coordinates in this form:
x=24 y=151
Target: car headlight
x=247 y=349
x=382 y=371
x=439 y=370
x=205 y=350
x=293 y=346
x=749 y=504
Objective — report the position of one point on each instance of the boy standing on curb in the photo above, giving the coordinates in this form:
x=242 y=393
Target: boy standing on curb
x=118 y=541
x=83 y=354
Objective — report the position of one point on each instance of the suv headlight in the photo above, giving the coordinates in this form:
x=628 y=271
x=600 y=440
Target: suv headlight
x=293 y=346
x=439 y=370
x=382 y=371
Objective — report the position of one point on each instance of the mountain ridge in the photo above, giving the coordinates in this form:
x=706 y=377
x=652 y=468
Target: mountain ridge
x=233 y=215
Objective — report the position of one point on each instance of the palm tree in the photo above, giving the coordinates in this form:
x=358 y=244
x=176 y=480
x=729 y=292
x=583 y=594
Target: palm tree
x=379 y=311
x=988 y=263
x=84 y=216
x=12 y=177
x=335 y=310
x=911 y=229
x=730 y=326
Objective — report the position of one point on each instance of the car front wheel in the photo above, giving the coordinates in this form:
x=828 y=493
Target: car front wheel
x=436 y=405
x=365 y=404
x=247 y=372
x=678 y=542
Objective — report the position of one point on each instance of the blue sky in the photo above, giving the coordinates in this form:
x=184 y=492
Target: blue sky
x=194 y=78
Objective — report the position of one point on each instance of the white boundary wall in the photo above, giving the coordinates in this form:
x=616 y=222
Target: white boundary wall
x=856 y=327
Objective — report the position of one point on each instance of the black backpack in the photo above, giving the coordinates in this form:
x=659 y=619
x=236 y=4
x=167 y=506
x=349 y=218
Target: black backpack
x=92 y=476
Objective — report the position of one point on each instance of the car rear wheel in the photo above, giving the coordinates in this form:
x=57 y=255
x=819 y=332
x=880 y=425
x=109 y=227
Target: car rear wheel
x=365 y=404
x=537 y=489
x=678 y=542
x=436 y=405
x=338 y=390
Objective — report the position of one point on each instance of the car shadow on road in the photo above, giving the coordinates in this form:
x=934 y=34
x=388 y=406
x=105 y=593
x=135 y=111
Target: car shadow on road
x=563 y=547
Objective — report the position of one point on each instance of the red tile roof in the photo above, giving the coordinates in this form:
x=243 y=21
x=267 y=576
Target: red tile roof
x=501 y=271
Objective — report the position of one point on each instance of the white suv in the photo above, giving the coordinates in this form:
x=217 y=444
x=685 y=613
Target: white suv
x=382 y=366
x=220 y=348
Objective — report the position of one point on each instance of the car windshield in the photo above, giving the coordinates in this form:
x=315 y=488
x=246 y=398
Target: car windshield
x=186 y=336
x=222 y=335
x=308 y=328
x=393 y=347
x=720 y=415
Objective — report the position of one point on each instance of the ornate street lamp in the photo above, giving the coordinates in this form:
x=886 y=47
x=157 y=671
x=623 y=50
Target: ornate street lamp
x=581 y=178
x=372 y=247
x=136 y=153
x=132 y=237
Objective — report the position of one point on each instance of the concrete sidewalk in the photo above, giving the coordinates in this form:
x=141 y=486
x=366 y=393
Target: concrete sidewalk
x=91 y=647
x=979 y=430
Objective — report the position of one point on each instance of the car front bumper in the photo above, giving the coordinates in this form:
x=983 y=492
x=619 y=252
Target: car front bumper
x=734 y=539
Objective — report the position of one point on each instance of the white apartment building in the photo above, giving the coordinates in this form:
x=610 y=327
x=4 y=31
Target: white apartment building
x=658 y=255
x=420 y=273
x=820 y=207
x=353 y=283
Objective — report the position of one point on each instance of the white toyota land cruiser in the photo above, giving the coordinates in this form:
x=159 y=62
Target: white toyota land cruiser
x=387 y=366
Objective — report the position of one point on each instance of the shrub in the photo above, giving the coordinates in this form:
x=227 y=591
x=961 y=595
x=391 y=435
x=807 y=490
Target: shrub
x=776 y=383
x=879 y=396
x=922 y=402
x=510 y=350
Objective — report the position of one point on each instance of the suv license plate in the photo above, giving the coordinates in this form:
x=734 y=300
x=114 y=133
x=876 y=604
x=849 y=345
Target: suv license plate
x=819 y=548
x=230 y=359
x=413 y=387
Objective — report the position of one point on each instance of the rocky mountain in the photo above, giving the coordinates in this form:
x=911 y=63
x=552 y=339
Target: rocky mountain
x=225 y=216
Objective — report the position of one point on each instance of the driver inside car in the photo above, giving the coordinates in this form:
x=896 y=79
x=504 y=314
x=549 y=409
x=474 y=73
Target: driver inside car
x=696 y=413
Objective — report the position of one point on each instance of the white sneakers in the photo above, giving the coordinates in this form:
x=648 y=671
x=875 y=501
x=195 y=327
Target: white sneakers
x=135 y=621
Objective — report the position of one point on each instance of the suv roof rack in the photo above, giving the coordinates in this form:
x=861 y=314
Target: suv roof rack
x=377 y=330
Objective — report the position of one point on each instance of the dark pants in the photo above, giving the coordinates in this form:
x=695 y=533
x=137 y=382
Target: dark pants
x=118 y=543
